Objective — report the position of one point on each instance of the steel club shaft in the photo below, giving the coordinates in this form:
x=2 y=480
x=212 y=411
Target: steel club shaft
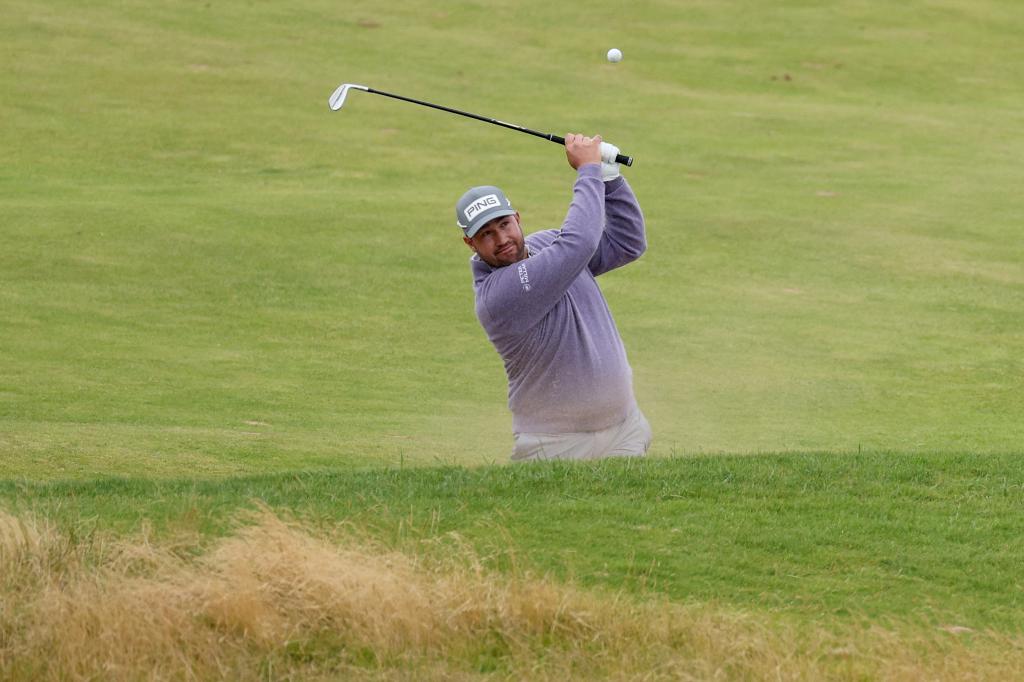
x=338 y=99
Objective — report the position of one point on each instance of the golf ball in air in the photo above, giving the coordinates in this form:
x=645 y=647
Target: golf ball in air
x=614 y=55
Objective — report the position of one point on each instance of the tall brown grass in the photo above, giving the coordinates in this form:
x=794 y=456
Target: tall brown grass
x=276 y=600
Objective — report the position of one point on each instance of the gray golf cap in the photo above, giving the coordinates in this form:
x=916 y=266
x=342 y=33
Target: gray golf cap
x=480 y=205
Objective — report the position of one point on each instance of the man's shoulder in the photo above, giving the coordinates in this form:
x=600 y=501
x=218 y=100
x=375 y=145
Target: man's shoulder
x=535 y=243
x=540 y=240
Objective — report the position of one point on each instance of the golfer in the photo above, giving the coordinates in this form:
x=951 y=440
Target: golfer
x=570 y=387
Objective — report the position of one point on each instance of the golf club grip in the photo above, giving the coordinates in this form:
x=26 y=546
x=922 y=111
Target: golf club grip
x=620 y=158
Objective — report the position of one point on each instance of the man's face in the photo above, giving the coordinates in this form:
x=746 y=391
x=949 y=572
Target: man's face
x=499 y=242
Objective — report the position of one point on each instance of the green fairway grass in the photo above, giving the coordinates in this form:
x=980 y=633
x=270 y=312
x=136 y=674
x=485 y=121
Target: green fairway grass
x=216 y=294
x=205 y=270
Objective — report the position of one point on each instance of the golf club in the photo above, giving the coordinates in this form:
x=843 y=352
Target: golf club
x=338 y=99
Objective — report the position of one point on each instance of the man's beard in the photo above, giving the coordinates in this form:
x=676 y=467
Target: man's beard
x=518 y=253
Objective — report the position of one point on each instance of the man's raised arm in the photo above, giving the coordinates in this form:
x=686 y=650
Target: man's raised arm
x=624 y=239
x=520 y=295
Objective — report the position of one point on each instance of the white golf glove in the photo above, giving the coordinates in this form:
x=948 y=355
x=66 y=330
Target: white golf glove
x=609 y=169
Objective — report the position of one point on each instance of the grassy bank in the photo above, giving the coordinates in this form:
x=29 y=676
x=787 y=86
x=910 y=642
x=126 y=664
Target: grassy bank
x=928 y=538
x=276 y=600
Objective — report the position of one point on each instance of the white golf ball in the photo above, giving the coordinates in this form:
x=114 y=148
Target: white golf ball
x=614 y=55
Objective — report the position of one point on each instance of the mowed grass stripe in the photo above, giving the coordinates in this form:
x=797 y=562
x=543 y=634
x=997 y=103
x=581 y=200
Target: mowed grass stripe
x=934 y=538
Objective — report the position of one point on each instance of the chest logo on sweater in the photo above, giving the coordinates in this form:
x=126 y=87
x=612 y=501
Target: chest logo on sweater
x=524 y=276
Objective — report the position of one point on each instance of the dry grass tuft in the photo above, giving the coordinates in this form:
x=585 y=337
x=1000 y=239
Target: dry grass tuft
x=276 y=601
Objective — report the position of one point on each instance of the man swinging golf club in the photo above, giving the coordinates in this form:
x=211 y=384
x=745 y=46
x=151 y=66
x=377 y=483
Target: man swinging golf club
x=570 y=387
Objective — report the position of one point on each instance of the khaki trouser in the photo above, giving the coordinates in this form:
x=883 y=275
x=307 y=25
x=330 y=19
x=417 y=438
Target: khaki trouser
x=631 y=438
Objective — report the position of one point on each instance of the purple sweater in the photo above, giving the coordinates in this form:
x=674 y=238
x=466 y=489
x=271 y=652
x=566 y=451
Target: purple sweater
x=566 y=366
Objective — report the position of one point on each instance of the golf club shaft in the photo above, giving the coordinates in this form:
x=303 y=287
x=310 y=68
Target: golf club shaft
x=621 y=158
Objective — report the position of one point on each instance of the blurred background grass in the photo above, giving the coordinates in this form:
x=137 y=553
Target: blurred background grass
x=206 y=271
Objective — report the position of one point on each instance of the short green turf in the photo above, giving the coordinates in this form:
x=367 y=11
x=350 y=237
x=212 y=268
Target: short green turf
x=205 y=270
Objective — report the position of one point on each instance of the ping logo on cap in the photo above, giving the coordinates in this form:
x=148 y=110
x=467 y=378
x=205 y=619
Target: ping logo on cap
x=480 y=205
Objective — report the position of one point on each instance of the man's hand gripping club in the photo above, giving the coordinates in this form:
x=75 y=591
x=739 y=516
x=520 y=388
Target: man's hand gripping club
x=581 y=150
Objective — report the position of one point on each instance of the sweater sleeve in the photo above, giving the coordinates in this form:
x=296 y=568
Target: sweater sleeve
x=624 y=239
x=518 y=296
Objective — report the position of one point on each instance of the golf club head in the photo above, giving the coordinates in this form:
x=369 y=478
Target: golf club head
x=338 y=97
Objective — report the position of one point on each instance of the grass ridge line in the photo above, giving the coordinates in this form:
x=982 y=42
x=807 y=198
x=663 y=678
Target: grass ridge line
x=937 y=536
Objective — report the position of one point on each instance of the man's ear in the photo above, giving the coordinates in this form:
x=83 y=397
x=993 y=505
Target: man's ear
x=469 y=243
